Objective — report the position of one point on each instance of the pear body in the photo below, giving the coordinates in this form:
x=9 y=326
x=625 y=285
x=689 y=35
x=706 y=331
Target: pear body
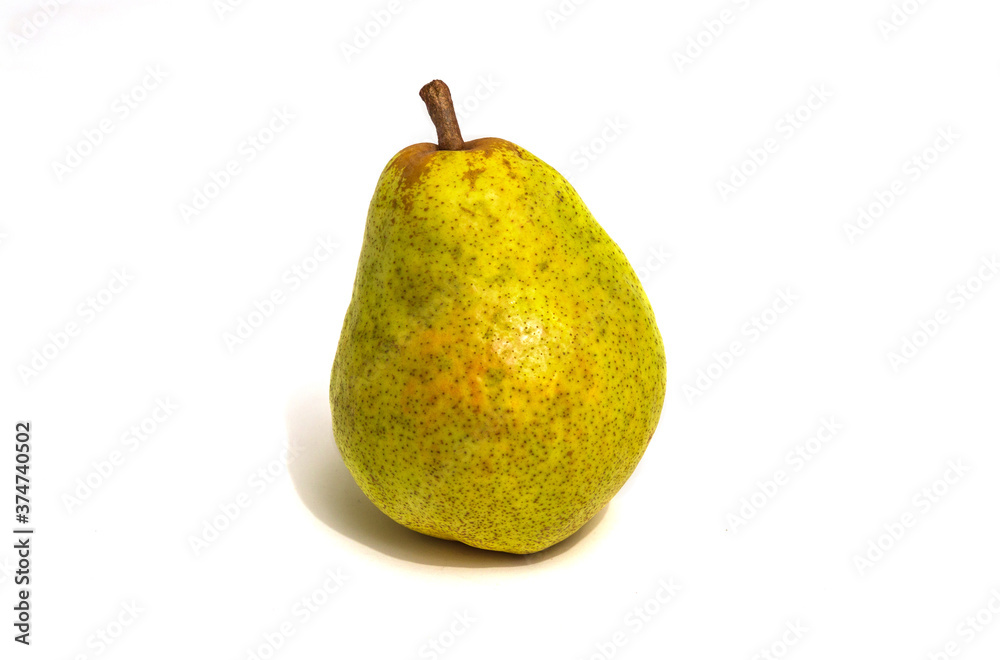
x=499 y=372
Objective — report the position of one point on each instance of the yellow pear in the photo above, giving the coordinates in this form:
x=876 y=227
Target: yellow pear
x=499 y=372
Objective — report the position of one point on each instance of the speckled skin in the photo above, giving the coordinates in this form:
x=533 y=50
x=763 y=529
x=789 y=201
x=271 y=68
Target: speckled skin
x=499 y=372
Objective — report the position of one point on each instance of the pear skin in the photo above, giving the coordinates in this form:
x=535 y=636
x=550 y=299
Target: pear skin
x=500 y=371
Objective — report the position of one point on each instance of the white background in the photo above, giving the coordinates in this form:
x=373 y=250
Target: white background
x=662 y=134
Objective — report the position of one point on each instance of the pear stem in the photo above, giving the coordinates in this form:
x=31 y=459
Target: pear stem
x=440 y=107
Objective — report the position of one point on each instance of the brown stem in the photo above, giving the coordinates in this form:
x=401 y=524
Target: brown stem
x=437 y=96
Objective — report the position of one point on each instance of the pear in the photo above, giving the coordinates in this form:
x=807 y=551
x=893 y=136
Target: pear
x=499 y=372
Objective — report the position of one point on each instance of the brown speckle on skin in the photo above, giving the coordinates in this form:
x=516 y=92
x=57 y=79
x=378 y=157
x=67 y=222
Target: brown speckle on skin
x=472 y=174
